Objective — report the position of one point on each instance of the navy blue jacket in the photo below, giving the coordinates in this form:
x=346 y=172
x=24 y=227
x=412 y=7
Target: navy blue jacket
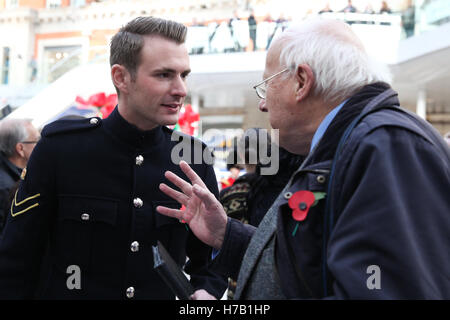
x=88 y=200
x=390 y=235
x=9 y=175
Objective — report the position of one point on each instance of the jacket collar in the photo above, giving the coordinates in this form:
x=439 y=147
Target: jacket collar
x=13 y=171
x=130 y=134
x=352 y=108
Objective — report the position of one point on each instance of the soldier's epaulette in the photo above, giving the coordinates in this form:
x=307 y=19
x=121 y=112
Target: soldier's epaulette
x=70 y=125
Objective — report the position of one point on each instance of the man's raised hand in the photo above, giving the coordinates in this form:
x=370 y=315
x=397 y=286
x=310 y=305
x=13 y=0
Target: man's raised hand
x=204 y=213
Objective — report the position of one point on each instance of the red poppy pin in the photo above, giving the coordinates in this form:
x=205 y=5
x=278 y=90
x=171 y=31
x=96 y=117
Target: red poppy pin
x=300 y=203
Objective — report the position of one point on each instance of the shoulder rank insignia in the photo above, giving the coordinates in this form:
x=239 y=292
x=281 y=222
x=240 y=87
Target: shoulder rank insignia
x=20 y=207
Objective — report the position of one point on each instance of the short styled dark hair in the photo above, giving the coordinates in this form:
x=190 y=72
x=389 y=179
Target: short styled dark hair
x=126 y=44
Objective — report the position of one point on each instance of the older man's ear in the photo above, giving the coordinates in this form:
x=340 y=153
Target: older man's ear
x=304 y=78
x=19 y=149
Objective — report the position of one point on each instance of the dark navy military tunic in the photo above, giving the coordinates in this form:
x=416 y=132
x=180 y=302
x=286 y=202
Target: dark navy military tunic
x=88 y=201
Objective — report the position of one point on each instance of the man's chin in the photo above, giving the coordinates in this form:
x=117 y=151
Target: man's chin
x=169 y=122
x=172 y=120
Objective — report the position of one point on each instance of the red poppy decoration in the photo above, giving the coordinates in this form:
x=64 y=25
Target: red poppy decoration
x=187 y=120
x=300 y=203
x=106 y=104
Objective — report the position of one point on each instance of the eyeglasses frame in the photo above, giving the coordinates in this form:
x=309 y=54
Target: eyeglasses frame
x=265 y=80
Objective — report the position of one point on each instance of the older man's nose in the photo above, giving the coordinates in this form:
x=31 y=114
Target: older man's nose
x=262 y=105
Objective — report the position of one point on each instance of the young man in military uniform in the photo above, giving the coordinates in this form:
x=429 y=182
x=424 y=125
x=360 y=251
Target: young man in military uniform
x=83 y=221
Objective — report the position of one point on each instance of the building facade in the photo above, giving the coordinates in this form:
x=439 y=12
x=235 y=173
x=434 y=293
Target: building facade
x=42 y=40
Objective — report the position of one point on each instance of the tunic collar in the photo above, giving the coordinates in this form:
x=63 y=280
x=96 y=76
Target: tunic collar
x=130 y=134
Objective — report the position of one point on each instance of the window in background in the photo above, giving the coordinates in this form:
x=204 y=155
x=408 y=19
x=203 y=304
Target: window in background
x=77 y=3
x=53 y=4
x=10 y=4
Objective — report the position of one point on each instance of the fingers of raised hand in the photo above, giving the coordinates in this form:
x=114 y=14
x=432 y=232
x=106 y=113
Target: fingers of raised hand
x=174 y=194
x=174 y=213
x=195 y=179
x=208 y=199
x=184 y=186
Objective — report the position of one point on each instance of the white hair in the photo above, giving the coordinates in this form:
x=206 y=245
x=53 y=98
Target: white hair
x=336 y=56
x=12 y=131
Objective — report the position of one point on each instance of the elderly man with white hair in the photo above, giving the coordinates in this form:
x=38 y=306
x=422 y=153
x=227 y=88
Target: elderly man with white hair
x=18 y=137
x=366 y=215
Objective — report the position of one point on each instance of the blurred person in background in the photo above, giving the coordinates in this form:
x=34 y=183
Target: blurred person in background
x=232 y=26
x=18 y=137
x=349 y=7
x=252 y=194
x=252 y=28
x=233 y=167
x=385 y=8
x=234 y=171
x=409 y=20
